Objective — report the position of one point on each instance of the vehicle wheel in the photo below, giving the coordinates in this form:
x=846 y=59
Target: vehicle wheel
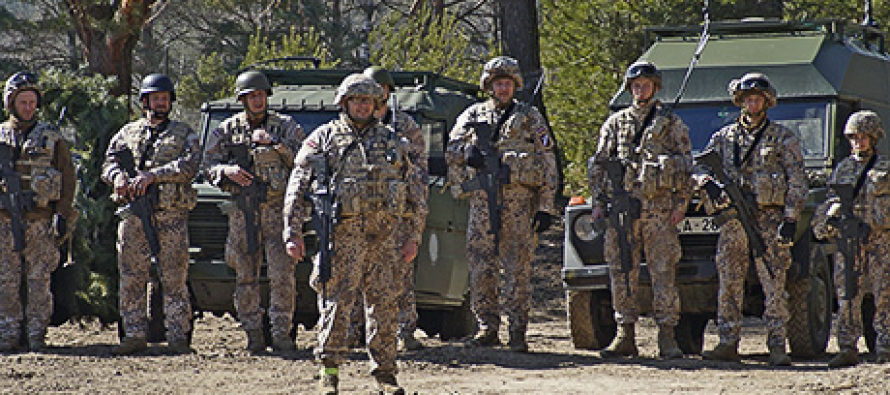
x=458 y=323
x=690 y=332
x=868 y=319
x=810 y=303
x=591 y=319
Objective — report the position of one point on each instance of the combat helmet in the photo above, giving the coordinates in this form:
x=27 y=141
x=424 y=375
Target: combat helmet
x=250 y=81
x=358 y=85
x=867 y=122
x=501 y=66
x=157 y=83
x=753 y=82
x=18 y=82
x=642 y=69
x=383 y=77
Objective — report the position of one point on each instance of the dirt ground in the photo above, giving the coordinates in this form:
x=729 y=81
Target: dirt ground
x=79 y=361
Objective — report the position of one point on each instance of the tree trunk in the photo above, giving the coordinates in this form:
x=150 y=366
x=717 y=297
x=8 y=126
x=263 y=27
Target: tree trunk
x=520 y=39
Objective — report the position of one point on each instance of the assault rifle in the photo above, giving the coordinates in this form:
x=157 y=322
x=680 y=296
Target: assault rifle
x=623 y=210
x=851 y=232
x=248 y=198
x=12 y=198
x=490 y=178
x=324 y=217
x=740 y=207
x=141 y=206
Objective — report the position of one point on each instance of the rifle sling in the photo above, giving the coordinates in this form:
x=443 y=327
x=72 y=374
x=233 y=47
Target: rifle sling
x=861 y=180
x=646 y=122
x=496 y=133
x=153 y=135
x=757 y=136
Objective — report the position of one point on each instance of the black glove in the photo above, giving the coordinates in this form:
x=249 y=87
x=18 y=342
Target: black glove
x=787 y=229
x=542 y=221
x=713 y=190
x=474 y=157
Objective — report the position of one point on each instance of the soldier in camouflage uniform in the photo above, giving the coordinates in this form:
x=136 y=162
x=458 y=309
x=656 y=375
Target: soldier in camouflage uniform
x=166 y=153
x=43 y=161
x=869 y=175
x=372 y=178
x=273 y=140
x=522 y=140
x=653 y=146
x=766 y=160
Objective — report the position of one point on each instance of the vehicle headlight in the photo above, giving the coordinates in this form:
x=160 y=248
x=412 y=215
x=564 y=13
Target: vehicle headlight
x=583 y=227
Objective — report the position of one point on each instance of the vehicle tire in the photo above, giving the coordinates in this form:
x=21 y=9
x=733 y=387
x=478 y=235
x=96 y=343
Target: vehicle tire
x=810 y=306
x=868 y=319
x=591 y=321
x=458 y=323
x=690 y=332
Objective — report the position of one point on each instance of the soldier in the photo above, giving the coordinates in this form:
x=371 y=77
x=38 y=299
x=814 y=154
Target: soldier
x=652 y=145
x=166 y=155
x=521 y=142
x=412 y=227
x=47 y=215
x=271 y=140
x=865 y=171
x=375 y=188
x=765 y=159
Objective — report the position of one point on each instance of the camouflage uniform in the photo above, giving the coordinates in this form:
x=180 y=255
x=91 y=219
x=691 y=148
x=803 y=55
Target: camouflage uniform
x=774 y=177
x=271 y=165
x=367 y=247
x=170 y=151
x=657 y=174
x=43 y=160
x=524 y=145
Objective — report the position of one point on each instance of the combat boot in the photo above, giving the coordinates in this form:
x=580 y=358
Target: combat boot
x=882 y=355
x=37 y=341
x=847 y=356
x=180 y=347
x=130 y=345
x=485 y=338
x=409 y=343
x=667 y=344
x=328 y=381
x=256 y=342
x=283 y=343
x=517 y=341
x=724 y=352
x=9 y=345
x=778 y=356
x=387 y=384
x=624 y=344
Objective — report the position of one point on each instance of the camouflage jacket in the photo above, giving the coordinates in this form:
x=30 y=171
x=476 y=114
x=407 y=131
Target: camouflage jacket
x=408 y=128
x=657 y=165
x=523 y=143
x=872 y=199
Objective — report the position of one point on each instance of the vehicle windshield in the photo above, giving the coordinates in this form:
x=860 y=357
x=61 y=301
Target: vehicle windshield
x=807 y=119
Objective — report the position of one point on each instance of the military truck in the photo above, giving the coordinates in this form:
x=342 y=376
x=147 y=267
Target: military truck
x=308 y=96
x=824 y=71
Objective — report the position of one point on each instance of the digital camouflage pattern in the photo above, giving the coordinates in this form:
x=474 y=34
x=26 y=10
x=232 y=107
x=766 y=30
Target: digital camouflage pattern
x=774 y=177
x=272 y=165
x=172 y=154
x=873 y=262
x=523 y=144
x=368 y=243
x=657 y=173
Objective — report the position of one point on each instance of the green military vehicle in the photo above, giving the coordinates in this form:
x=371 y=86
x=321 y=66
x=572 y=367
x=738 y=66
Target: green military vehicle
x=824 y=71
x=308 y=96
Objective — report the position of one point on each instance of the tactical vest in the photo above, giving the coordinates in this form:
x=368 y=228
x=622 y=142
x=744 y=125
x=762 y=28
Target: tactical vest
x=770 y=184
x=656 y=169
x=518 y=150
x=877 y=191
x=167 y=147
x=268 y=165
x=366 y=182
x=34 y=161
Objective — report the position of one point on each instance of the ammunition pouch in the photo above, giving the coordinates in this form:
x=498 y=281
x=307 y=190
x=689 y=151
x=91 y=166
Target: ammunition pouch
x=363 y=196
x=770 y=188
x=46 y=182
x=175 y=196
x=668 y=173
x=271 y=170
x=525 y=168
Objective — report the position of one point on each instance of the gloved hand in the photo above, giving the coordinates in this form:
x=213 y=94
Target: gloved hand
x=542 y=221
x=715 y=194
x=474 y=158
x=786 y=232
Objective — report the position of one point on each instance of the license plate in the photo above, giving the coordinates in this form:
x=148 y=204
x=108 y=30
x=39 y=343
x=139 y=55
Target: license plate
x=697 y=226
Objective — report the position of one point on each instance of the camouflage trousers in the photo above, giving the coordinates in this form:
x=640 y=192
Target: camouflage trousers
x=516 y=246
x=733 y=259
x=39 y=258
x=654 y=236
x=280 y=268
x=134 y=264
x=361 y=270
x=873 y=268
